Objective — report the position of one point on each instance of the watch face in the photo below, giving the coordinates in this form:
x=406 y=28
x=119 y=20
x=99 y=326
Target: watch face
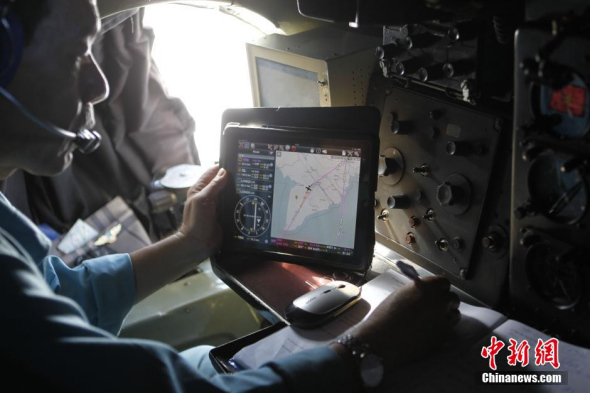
x=371 y=370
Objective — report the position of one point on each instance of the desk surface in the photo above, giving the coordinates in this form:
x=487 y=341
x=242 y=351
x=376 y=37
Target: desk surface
x=270 y=286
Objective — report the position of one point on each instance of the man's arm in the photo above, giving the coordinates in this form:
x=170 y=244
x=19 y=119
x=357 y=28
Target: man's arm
x=198 y=237
x=50 y=347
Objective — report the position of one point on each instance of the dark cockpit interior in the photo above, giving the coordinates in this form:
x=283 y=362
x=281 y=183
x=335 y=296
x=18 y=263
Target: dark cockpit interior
x=482 y=163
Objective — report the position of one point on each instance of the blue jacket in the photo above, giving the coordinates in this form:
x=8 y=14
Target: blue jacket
x=59 y=324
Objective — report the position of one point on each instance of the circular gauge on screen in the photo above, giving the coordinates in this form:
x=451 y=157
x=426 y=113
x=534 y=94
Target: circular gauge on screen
x=252 y=216
x=560 y=196
x=554 y=278
x=570 y=106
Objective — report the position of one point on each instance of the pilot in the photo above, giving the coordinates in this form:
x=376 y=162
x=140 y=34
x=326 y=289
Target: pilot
x=58 y=325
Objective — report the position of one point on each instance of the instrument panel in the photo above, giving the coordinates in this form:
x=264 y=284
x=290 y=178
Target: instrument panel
x=439 y=195
x=549 y=273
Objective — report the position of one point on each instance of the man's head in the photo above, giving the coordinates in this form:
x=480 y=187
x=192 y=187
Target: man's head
x=57 y=80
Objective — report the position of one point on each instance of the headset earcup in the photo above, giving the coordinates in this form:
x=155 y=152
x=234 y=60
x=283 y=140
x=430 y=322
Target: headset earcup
x=5 y=49
x=11 y=45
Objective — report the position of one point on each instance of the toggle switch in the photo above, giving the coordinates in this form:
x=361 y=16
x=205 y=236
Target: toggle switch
x=424 y=170
x=430 y=215
x=442 y=245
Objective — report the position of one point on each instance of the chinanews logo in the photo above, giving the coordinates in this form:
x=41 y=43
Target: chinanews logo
x=546 y=353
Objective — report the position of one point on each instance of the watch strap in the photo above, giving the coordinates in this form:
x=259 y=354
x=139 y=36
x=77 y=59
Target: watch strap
x=356 y=347
x=359 y=350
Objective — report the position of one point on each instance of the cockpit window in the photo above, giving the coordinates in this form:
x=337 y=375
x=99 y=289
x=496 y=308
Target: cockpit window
x=201 y=55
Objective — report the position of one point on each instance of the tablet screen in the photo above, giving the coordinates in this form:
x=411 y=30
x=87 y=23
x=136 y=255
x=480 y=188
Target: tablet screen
x=296 y=195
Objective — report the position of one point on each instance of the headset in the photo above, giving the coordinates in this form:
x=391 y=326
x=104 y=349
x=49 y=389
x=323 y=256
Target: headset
x=11 y=51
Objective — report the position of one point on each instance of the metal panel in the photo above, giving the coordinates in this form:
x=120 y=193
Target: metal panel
x=467 y=191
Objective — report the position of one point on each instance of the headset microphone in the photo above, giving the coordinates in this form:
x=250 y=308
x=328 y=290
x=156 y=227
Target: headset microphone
x=11 y=48
x=85 y=140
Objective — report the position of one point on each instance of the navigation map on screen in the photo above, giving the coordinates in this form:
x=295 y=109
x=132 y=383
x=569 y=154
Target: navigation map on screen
x=315 y=198
x=297 y=197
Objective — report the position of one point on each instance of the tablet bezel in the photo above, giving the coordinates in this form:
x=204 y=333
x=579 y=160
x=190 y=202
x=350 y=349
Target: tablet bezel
x=365 y=226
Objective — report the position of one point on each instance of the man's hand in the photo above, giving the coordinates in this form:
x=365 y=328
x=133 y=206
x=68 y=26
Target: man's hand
x=198 y=238
x=412 y=322
x=200 y=228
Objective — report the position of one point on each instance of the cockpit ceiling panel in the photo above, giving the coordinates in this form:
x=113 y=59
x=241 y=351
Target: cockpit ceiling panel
x=282 y=13
x=110 y=7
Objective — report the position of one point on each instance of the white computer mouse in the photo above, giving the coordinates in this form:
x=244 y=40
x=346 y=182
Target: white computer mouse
x=322 y=304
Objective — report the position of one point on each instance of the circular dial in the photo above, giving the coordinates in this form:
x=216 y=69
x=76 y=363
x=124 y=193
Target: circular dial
x=571 y=105
x=560 y=196
x=252 y=216
x=371 y=370
x=553 y=277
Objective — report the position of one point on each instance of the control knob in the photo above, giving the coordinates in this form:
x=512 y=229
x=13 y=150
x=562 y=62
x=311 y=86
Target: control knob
x=457 y=244
x=410 y=66
x=462 y=31
x=458 y=68
x=540 y=124
x=391 y=167
x=455 y=194
x=530 y=151
x=447 y=194
x=456 y=148
x=573 y=164
x=492 y=241
x=420 y=41
x=398 y=202
x=387 y=166
x=431 y=73
x=527 y=209
x=529 y=239
x=388 y=51
x=400 y=127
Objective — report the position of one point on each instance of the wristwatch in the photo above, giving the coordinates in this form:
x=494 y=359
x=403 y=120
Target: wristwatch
x=370 y=365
